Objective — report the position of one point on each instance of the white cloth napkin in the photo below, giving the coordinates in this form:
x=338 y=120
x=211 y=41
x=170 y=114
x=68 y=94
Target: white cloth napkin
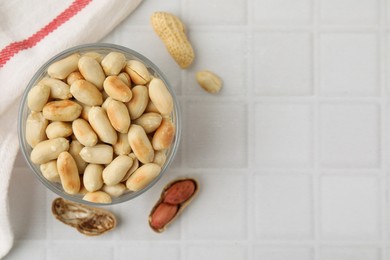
x=30 y=33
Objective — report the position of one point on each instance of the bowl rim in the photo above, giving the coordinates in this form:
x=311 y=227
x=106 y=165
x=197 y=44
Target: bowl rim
x=82 y=49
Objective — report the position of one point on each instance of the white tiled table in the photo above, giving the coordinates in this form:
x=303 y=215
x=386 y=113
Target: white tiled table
x=292 y=156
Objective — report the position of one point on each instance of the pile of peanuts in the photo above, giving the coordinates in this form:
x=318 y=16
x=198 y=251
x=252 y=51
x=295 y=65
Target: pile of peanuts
x=100 y=125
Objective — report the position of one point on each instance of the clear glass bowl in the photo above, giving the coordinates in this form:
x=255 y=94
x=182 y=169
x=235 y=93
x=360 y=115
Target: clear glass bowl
x=102 y=48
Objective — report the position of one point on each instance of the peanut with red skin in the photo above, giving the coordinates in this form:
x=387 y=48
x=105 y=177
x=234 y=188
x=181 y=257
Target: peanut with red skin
x=162 y=215
x=179 y=192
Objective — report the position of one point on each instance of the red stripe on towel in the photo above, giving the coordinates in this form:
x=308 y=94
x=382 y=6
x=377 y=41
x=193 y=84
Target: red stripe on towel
x=10 y=50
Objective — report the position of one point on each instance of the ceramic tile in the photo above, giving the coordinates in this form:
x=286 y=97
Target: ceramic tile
x=348 y=64
x=145 y=253
x=283 y=64
x=352 y=130
x=74 y=251
x=356 y=201
x=213 y=127
x=283 y=135
x=356 y=253
x=217 y=12
x=349 y=12
x=218 y=252
x=283 y=206
x=217 y=213
x=285 y=12
x=283 y=253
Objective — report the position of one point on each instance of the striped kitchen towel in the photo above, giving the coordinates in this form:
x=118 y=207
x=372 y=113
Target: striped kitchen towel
x=32 y=32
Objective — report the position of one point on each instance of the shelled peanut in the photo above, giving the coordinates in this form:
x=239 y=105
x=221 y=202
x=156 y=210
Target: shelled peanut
x=101 y=123
x=174 y=198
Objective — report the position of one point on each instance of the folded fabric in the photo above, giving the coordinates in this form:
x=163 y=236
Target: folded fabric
x=31 y=33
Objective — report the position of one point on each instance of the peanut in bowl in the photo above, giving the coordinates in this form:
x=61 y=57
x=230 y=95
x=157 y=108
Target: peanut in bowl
x=99 y=124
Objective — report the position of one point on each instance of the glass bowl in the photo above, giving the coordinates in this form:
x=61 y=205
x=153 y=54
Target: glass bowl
x=102 y=48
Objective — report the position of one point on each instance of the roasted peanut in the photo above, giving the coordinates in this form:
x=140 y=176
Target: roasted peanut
x=162 y=215
x=84 y=132
x=58 y=88
x=75 y=149
x=139 y=101
x=84 y=111
x=114 y=190
x=138 y=72
x=58 y=129
x=125 y=78
x=160 y=96
x=149 y=121
x=63 y=110
x=106 y=102
x=76 y=75
x=113 y=63
x=37 y=97
x=143 y=176
x=92 y=177
x=97 y=197
x=160 y=157
x=151 y=108
x=86 y=93
x=172 y=32
x=35 y=128
x=209 y=81
x=49 y=171
x=140 y=144
x=179 y=192
x=67 y=169
x=91 y=71
x=117 y=169
x=98 y=154
x=101 y=125
x=94 y=55
x=48 y=150
x=122 y=146
x=116 y=89
x=119 y=116
x=133 y=167
x=164 y=135
x=62 y=68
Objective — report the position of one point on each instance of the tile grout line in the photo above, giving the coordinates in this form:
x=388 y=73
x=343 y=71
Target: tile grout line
x=316 y=129
x=250 y=142
x=183 y=246
x=383 y=223
x=49 y=230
